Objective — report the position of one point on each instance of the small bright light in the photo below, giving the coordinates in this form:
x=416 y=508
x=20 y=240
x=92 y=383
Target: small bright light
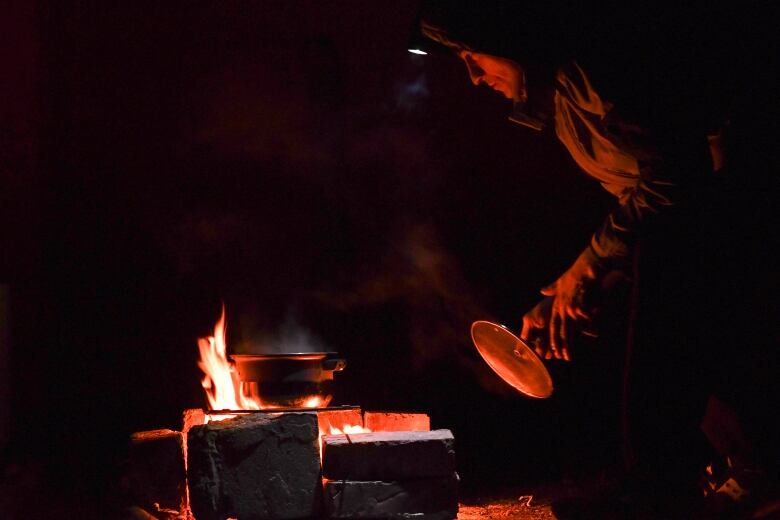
x=417 y=51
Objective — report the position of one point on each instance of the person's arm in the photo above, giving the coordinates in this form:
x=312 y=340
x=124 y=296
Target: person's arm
x=670 y=163
x=669 y=168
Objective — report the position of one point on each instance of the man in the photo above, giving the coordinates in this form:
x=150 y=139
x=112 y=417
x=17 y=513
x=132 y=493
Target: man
x=641 y=100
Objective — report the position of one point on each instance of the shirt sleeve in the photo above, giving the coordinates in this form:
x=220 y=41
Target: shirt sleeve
x=651 y=160
x=670 y=163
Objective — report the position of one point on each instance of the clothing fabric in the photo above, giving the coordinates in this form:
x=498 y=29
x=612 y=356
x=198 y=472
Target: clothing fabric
x=636 y=91
x=702 y=236
x=627 y=161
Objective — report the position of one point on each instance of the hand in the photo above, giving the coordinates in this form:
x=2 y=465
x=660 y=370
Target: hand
x=567 y=307
x=535 y=325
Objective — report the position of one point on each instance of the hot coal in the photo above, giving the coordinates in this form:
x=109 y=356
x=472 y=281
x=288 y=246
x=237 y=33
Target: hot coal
x=192 y=417
x=289 y=394
x=338 y=419
x=396 y=422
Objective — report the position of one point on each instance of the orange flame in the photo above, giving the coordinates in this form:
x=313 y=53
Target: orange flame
x=314 y=402
x=348 y=428
x=220 y=379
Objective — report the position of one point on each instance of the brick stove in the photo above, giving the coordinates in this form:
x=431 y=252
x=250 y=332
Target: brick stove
x=296 y=464
x=255 y=458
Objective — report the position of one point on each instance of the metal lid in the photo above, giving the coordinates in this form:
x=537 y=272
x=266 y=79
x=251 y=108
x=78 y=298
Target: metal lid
x=512 y=359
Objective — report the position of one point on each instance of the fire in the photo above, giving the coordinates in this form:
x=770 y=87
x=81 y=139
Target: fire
x=314 y=402
x=220 y=380
x=221 y=383
x=348 y=428
x=345 y=428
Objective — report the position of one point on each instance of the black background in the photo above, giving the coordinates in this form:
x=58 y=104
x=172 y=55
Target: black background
x=293 y=161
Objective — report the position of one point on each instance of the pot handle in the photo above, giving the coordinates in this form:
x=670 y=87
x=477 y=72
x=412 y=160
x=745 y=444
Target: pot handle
x=334 y=365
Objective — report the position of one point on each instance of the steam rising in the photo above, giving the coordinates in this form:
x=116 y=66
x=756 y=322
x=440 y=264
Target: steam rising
x=417 y=271
x=290 y=338
x=324 y=190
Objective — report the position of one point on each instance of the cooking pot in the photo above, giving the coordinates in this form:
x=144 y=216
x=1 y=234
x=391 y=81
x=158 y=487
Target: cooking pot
x=296 y=380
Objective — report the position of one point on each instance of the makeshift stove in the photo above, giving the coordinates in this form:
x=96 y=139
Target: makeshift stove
x=252 y=460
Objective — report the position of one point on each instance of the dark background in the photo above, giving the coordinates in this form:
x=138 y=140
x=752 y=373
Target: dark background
x=293 y=161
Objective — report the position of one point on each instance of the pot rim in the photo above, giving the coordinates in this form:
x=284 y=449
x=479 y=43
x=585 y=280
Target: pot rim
x=303 y=356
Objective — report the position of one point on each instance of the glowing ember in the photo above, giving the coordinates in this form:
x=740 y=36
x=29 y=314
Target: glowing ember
x=314 y=402
x=220 y=380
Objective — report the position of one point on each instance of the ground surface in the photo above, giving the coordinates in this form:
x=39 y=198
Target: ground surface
x=526 y=503
x=590 y=500
x=522 y=507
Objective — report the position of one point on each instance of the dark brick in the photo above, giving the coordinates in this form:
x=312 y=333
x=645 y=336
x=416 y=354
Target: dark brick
x=255 y=467
x=156 y=472
x=388 y=456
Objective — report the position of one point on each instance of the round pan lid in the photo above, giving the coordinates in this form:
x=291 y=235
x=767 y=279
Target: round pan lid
x=512 y=359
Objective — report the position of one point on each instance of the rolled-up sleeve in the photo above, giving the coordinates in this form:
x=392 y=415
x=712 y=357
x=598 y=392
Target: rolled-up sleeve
x=656 y=190
x=669 y=173
x=650 y=169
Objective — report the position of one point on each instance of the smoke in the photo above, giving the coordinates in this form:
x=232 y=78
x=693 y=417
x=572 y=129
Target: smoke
x=417 y=272
x=310 y=177
x=291 y=337
x=411 y=95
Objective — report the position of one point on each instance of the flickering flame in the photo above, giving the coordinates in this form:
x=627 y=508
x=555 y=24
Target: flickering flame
x=314 y=402
x=348 y=428
x=220 y=381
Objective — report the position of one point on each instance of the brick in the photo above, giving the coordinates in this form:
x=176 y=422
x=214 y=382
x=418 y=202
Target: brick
x=396 y=422
x=156 y=472
x=388 y=456
x=424 y=499
x=192 y=417
x=255 y=467
x=338 y=419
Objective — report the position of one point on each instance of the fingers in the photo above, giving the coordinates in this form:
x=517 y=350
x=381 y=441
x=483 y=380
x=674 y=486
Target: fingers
x=559 y=330
x=554 y=329
x=539 y=348
x=574 y=314
x=565 y=349
x=589 y=333
x=586 y=323
x=526 y=329
x=563 y=334
x=578 y=313
x=530 y=325
x=553 y=318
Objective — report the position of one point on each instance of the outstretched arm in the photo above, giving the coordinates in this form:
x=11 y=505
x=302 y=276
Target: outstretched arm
x=668 y=172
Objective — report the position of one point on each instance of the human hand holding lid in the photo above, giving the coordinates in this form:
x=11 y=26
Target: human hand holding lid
x=512 y=359
x=567 y=309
